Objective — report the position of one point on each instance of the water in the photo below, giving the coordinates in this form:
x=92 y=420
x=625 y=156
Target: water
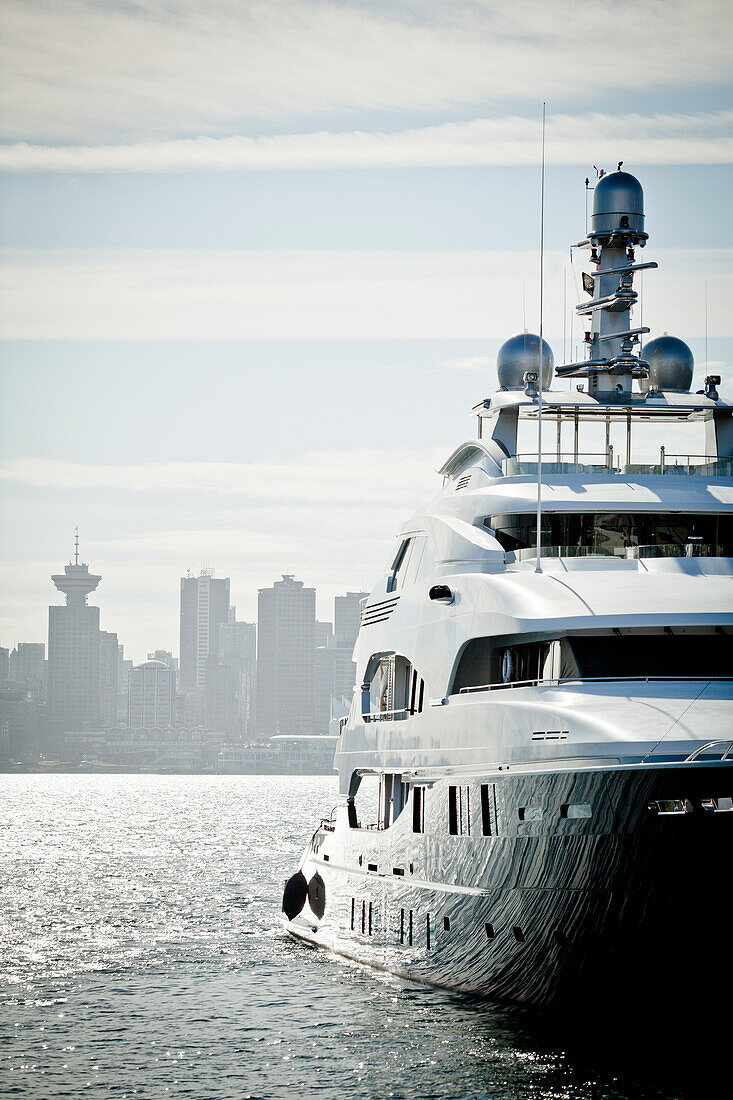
x=141 y=955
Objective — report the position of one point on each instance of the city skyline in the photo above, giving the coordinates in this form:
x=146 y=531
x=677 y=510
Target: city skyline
x=145 y=645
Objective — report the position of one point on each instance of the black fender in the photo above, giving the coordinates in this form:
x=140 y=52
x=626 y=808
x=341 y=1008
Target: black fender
x=294 y=895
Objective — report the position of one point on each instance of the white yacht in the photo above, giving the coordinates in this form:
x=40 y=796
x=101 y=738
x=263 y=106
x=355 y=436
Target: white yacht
x=549 y=719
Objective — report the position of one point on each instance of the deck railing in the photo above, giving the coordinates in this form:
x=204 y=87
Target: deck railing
x=562 y=681
x=589 y=462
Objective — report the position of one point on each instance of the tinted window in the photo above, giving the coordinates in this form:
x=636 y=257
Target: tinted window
x=487 y=661
x=616 y=532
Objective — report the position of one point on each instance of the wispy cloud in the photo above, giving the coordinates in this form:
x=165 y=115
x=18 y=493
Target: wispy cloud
x=701 y=138
x=322 y=295
x=314 y=478
x=468 y=362
x=79 y=70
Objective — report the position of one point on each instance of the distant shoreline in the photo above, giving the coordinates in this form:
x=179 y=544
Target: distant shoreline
x=124 y=769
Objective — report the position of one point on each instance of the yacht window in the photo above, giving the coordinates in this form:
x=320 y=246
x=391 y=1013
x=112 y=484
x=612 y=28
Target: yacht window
x=488 y=809
x=576 y=810
x=428 y=561
x=490 y=662
x=624 y=534
x=418 y=809
x=418 y=550
x=459 y=811
x=401 y=564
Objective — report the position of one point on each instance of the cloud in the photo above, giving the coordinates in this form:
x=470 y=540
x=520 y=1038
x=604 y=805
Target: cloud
x=80 y=70
x=314 y=478
x=469 y=362
x=701 y=138
x=325 y=295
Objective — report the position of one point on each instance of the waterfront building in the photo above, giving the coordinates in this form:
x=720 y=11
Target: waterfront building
x=151 y=695
x=80 y=669
x=204 y=606
x=4 y=664
x=286 y=680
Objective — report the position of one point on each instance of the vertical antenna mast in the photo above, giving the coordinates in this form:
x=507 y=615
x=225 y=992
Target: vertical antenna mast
x=76 y=546
x=538 y=568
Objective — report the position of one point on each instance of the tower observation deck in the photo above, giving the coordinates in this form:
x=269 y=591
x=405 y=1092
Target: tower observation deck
x=76 y=582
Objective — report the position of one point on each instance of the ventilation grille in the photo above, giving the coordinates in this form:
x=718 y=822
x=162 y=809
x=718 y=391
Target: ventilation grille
x=550 y=735
x=378 y=612
x=463 y=482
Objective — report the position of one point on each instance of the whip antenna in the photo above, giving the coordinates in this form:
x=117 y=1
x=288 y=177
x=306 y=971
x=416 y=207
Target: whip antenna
x=538 y=568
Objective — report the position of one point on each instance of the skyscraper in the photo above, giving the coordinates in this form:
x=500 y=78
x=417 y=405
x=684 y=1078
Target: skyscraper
x=286 y=678
x=151 y=696
x=78 y=652
x=204 y=605
x=346 y=618
x=27 y=666
x=232 y=702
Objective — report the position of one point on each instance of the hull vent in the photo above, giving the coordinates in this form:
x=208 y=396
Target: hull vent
x=378 y=612
x=463 y=482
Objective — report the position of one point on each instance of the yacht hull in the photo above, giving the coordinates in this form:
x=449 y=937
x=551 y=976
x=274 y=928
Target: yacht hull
x=582 y=887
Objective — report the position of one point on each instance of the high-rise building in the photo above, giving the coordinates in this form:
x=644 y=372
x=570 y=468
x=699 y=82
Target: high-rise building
x=108 y=677
x=323 y=634
x=123 y=671
x=28 y=666
x=204 y=606
x=346 y=617
x=151 y=696
x=79 y=675
x=4 y=665
x=166 y=657
x=232 y=696
x=286 y=680
x=335 y=670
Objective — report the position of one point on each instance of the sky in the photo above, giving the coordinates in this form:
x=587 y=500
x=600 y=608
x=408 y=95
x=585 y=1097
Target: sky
x=257 y=259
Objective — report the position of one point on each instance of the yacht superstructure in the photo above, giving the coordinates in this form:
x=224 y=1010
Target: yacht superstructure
x=550 y=733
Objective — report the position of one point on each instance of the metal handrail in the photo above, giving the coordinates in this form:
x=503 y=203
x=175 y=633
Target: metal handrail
x=556 y=681
x=386 y=715
x=710 y=745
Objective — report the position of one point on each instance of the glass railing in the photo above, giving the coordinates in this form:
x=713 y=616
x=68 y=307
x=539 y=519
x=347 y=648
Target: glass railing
x=657 y=550
x=595 y=463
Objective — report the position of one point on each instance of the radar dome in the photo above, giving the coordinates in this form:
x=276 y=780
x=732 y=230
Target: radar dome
x=618 y=204
x=670 y=364
x=522 y=353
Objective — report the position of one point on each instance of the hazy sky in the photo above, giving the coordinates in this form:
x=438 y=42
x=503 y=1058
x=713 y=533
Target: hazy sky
x=258 y=258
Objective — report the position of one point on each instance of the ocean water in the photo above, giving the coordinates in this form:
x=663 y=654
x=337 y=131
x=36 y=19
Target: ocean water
x=141 y=955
